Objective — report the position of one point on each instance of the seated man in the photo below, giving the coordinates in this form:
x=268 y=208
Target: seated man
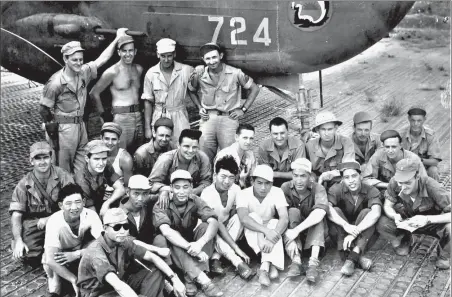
x=187 y=157
x=118 y=157
x=381 y=166
x=365 y=142
x=33 y=201
x=146 y=155
x=422 y=141
x=221 y=197
x=308 y=205
x=113 y=262
x=257 y=207
x=328 y=150
x=179 y=224
x=242 y=151
x=68 y=232
x=417 y=203
x=280 y=150
x=97 y=177
x=354 y=210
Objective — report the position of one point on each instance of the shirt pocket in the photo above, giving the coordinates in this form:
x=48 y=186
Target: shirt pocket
x=67 y=102
x=208 y=96
x=227 y=91
x=160 y=93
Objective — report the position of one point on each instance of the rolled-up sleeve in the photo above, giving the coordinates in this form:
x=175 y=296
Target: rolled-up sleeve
x=370 y=173
x=159 y=174
x=244 y=80
x=18 y=200
x=203 y=210
x=374 y=197
x=439 y=194
x=148 y=89
x=321 y=199
x=433 y=150
x=50 y=93
x=334 y=194
x=90 y=71
x=101 y=266
x=159 y=217
x=392 y=192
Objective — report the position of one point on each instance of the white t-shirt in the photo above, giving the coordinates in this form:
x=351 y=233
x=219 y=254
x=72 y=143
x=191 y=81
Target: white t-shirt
x=267 y=209
x=137 y=221
x=59 y=234
x=212 y=198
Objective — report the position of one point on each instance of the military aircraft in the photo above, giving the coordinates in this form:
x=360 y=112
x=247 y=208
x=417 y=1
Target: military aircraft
x=273 y=41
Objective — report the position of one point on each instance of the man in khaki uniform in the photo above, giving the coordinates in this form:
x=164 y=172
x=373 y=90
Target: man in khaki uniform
x=365 y=142
x=63 y=103
x=422 y=141
x=219 y=87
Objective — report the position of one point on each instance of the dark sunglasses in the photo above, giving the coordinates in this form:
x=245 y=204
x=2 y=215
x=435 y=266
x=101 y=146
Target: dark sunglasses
x=117 y=227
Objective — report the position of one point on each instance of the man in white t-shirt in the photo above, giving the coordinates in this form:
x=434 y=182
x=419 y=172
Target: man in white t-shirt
x=221 y=197
x=68 y=231
x=257 y=207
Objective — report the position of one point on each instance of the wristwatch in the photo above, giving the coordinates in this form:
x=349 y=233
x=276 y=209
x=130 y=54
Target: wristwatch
x=244 y=109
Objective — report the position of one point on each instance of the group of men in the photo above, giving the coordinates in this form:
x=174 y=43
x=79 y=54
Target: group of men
x=115 y=216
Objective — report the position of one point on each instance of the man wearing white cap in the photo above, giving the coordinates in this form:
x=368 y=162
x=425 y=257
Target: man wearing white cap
x=63 y=102
x=165 y=89
x=329 y=150
x=308 y=205
x=124 y=80
x=257 y=207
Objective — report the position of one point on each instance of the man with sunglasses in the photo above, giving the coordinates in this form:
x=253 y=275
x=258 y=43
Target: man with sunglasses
x=114 y=262
x=68 y=232
x=191 y=244
x=32 y=203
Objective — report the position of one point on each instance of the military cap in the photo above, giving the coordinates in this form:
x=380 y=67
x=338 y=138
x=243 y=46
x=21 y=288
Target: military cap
x=124 y=40
x=325 y=117
x=111 y=127
x=139 y=181
x=208 y=47
x=389 y=134
x=302 y=163
x=190 y=133
x=71 y=47
x=349 y=165
x=361 y=116
x=417 y=111
x=166 y=122
x=165 y=45
x=96 y=146
x=263 y=171
x=405 y=170
x=180 y=174
x=114 y=216
x=40 y=148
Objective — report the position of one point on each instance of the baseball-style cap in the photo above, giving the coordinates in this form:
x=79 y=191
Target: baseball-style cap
x=349 y=165
x=124 y=40
x=40 y=148
x=96 y=146
x=71 y=47
x=208 y=47
x=405 y=170
x=263 y=171
x=114 y=216
x=302 y=163
x=111 y=127
x=361 y=116
x=325 y=117
x=180 y=174
x=417 y=111
x=165 y=45
x=389 y=134
x=139 y=182
x=166 y=122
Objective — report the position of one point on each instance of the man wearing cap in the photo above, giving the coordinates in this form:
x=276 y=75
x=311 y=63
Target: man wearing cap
x=308 y=205
x=118 y=157
x=354 y=209
x=123 y=78
x=100 y=184
x=63 y=102
x=33 y=201
x=187 y=157
x=191 y=244
x=262 y=210
x=165 y=90
x=419 y=204
x=381 y=166
x=114 y=262
x=68 y=233
x=422 y=141
x=242 y=151
x=219 y=87
x=280 y=151
x=329 y=150
x=365 y=142
x=146 y=155
x=221 y=197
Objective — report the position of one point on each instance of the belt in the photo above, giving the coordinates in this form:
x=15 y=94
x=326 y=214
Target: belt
x=218 y=112
x=60 y=119
x=125 y=109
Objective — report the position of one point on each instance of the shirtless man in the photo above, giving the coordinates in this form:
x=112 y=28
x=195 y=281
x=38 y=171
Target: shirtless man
x=124 y=81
